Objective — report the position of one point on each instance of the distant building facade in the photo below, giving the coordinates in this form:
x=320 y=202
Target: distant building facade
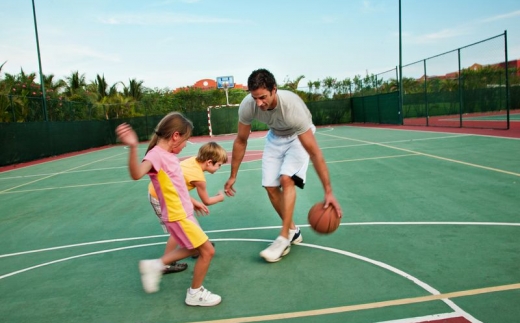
x=511 y=65
x=207 y=84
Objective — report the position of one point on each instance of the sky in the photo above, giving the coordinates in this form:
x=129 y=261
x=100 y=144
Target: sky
x=174 y=43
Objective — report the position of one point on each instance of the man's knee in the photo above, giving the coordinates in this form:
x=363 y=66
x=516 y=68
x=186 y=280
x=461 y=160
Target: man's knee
x=286 y=181
x=271 y=190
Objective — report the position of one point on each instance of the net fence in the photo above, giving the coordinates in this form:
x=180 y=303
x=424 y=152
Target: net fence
x=58 y=137
x=466 y=87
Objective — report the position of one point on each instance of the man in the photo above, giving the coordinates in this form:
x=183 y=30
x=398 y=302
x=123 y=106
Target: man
x=290 y=143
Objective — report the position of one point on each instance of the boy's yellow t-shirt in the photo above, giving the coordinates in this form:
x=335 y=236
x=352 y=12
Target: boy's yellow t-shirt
x=192 y=173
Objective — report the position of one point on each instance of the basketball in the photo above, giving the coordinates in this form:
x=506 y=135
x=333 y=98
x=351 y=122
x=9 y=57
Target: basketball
x=322 y=220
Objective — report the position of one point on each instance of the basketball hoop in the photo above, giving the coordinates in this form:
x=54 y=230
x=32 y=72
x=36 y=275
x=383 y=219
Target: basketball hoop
x=225 y=82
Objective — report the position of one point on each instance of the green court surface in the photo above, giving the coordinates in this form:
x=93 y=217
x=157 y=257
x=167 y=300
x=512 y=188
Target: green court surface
x=431 y=232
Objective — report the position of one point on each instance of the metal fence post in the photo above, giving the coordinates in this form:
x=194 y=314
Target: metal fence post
x=460 y=90
x=426 y=95
x=508 y=100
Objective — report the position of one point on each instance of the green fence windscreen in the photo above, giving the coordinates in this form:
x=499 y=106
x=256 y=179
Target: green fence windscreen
x=379 y=108
x=27 y=141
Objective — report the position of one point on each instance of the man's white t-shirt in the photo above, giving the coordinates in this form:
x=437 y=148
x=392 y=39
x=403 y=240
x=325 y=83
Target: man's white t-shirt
x=291 y=115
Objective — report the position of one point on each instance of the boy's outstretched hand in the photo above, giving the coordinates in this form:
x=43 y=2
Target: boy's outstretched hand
x=199 y=208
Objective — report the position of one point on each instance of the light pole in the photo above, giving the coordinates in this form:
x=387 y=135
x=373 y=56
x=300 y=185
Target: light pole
x=401 y=94
x=44 y=101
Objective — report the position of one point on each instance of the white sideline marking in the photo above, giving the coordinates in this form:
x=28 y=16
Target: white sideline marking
x=427 y=318
x=428 y=155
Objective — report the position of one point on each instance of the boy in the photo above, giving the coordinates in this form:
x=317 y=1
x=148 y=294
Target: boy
x=209 y=159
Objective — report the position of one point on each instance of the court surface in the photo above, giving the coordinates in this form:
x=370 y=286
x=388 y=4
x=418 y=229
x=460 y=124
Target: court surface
x=431 y=233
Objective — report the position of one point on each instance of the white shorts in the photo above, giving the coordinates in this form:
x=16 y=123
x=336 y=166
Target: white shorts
x=284 y=156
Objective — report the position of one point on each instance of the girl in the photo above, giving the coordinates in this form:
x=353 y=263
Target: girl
x=163 y=167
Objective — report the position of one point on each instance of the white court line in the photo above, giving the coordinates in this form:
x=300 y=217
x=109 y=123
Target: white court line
x=103 y=169
x=511 y=224
x=59 y=159
x=70 y=171
x=68 y=187
x=65 y=171
x=430 y=155
x=61 y=173
x=389 y=142
x=430 y=131
x=428 y=318
x=222 y=172
x=382 y=265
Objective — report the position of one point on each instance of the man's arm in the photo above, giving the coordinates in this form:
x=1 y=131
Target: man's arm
x=311 y=146
x=239 y=150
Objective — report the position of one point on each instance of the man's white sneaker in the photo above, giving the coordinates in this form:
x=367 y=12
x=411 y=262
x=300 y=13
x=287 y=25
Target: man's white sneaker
x=202 y=297
x=295 y=236
x=151 y=273
x=279 y=248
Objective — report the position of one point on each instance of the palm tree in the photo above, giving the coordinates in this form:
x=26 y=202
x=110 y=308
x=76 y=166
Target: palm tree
x=449 y=85
x=310 y=84
x=51 y=86
x=317 y=85
x=328 y=83
x=358 y=84
x=101 y=86
x=134 y=89
x=293 y=85
x=75 y=82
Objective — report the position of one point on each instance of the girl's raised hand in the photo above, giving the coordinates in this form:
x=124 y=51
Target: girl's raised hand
x=127 y=135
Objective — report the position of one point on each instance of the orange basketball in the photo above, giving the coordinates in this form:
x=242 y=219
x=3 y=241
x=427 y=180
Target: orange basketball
x=322 y=220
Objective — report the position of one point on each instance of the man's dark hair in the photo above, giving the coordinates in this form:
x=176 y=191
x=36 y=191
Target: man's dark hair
x=261 y=78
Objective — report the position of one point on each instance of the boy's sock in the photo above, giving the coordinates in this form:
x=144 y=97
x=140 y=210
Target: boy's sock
x=194 y=291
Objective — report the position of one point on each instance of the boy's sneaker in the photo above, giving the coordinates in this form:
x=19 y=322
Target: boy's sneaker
x=175 y=267
x=151 y=273
x=202 y=297
x=279 y=248
x=295 y=236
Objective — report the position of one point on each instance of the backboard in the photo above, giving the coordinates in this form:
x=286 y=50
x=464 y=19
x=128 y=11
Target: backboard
x=224 y=82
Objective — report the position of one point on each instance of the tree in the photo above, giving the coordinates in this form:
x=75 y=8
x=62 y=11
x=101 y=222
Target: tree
x=328 y=83
x=52 y=88
x=449 y=85
x=74 y=83
x=101 y=86
x=358 y=84
x=134 y=89
x=292 y=85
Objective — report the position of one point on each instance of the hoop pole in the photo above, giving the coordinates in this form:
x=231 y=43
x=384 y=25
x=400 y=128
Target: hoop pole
x=209 y=122
x=227 y=96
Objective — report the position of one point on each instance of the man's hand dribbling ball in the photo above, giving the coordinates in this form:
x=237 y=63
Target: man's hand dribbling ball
x=323 y=220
